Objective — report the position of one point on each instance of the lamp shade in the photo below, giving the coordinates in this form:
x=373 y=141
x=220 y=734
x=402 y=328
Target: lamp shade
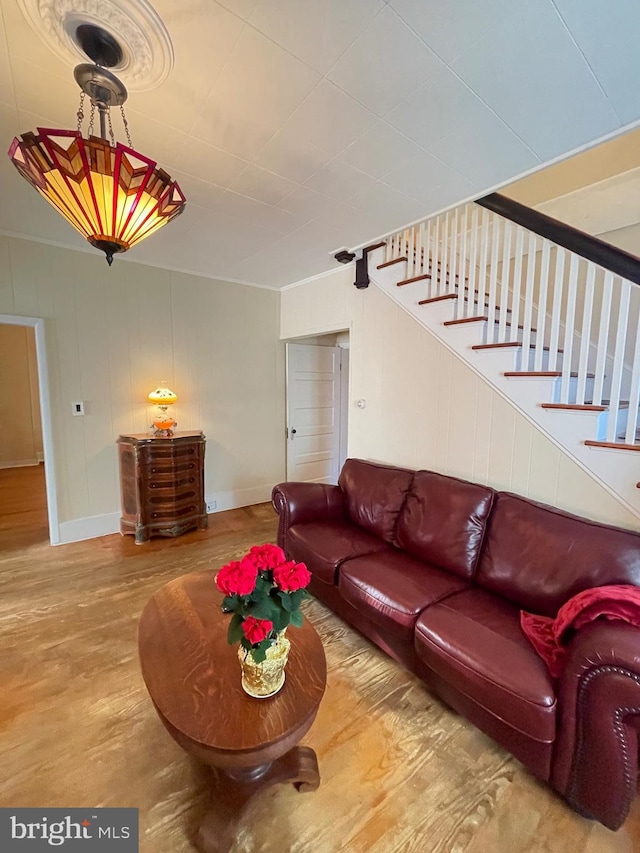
x=162 y=396
x=112 y=195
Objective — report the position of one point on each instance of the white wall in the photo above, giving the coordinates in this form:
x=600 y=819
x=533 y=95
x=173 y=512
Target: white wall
x=426 y=409
x=113 y=334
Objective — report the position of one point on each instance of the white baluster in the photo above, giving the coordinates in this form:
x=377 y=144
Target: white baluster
x=517 y=284
x=603 y=337
x=411 y=257
x=493 y=277
x=569 y=328
x=482 y=271
x=634 y=394
x=462 y=266
x=529 y=289
x=585 y=333
x=435 y=257
x=444 y=255
x=503 y=304
x=453 y=253
x=420 y=240
x=541 y=314
x=556 y=311
x=618 y=359
x=473 y=260
x=428 y=249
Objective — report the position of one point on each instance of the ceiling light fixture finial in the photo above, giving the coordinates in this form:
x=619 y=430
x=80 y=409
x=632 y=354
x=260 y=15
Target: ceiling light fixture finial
x=113 y=195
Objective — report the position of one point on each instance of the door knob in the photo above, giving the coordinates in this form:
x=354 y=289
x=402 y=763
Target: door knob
x=294 y=431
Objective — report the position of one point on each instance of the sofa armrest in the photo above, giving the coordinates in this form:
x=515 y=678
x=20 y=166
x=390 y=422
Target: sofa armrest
x=302 y=503
x=596 y=755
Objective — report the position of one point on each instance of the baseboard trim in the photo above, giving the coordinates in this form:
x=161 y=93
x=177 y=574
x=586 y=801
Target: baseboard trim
x=103 y=525
x=89 y=528
x=239 y=497
x=20 y=463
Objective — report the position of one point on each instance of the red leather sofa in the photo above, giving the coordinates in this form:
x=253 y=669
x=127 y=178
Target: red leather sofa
x=435 y=571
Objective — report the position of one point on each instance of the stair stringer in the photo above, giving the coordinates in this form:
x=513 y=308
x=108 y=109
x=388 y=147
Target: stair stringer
x=567 y=429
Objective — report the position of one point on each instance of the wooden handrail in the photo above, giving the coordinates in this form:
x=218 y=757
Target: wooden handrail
x=610 y=257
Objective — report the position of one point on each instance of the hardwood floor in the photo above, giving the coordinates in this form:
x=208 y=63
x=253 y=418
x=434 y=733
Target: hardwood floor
x=400 y=772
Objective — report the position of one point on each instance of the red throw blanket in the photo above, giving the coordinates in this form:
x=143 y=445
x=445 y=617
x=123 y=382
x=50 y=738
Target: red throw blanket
x=550 y=636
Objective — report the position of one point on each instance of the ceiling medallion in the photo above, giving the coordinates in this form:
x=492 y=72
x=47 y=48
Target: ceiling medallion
x=147 y=52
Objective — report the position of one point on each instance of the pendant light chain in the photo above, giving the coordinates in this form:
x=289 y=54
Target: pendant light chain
x=92 y=116
x=80 y=113
x=113 y=139
x=126 y=126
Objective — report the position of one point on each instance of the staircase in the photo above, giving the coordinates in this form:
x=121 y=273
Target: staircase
x=555 y=331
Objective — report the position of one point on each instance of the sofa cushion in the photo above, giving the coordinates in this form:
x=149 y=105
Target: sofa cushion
x=473 y=641
x=323 y=547
x=392 y=588
x=539 y=557
x=443 y=521
x=374 y=495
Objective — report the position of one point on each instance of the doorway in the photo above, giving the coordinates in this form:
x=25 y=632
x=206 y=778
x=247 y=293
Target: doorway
x=39 y=385
x=317 y=389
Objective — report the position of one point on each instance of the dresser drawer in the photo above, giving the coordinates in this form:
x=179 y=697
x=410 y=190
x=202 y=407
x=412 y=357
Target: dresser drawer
x=173 y=513
x=173 y=497
x=174 y=482
x=169 y=455
x=166 y=469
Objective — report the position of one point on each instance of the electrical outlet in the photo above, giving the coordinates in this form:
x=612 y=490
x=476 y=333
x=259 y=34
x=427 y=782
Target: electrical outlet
x=211 y=505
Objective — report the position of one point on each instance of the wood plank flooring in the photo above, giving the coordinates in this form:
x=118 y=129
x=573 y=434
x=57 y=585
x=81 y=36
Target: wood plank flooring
x=400 y=772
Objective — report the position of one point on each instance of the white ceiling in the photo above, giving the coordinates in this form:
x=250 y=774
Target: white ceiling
x=296 y=127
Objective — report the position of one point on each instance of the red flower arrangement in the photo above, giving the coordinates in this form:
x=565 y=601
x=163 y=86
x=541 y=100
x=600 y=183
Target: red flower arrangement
x=264 y=592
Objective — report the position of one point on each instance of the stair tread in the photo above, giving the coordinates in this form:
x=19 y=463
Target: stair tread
x=615 y=445
x=588 y=405
x=551 y=374
x=509 y=344
x=437 y=298
x=484 y=318
x=390 y=263
x=464 y=320
x=454 y=295
x=577 y=407
x=411 y=280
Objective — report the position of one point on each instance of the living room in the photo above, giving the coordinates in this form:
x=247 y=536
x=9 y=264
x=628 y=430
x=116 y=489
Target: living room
x=207 y=305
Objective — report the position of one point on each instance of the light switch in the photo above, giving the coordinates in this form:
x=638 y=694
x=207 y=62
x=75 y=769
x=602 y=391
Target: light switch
x=78 y=408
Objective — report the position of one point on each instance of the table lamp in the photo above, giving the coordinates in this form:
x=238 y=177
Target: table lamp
x=163 y=423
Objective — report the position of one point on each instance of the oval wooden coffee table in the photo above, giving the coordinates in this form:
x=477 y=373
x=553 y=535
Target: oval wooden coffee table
x=193 y=678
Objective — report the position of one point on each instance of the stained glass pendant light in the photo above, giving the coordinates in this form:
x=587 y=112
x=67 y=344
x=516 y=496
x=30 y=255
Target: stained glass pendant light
x=113 y=195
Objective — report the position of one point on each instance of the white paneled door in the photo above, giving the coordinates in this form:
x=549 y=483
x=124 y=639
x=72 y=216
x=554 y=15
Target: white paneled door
x=313 y=413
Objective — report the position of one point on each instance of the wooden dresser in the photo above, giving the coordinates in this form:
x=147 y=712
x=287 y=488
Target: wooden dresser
x=162 y=484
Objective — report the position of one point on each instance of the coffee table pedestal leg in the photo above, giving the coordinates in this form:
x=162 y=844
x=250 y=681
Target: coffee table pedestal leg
x=232 y=791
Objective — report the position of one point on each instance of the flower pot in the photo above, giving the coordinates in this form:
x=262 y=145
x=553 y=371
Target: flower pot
x=266 y=678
